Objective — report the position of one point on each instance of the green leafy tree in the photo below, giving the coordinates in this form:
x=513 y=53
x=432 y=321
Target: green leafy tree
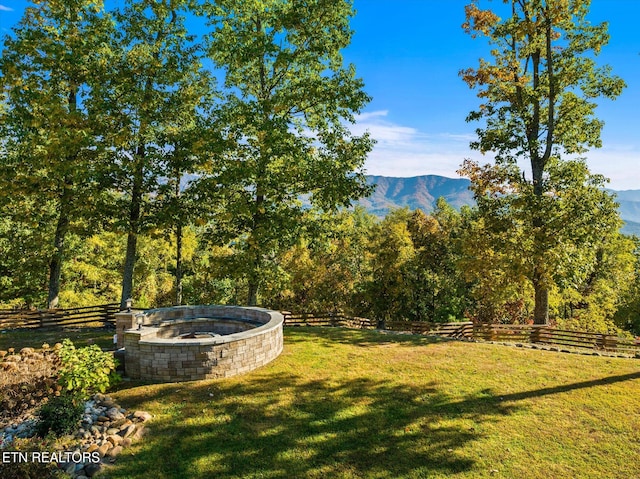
x=592 y=304
x=504 y=246
x=538 y=95
x=328 y=272
x=47 y=75
x=288 y=97
x=153 y=85
x=392 y=252
x=437 y=288
x=25 y=239
x=627 y=315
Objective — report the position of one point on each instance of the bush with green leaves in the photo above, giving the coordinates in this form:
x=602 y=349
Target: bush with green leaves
x=86 y=370
x=60 y=415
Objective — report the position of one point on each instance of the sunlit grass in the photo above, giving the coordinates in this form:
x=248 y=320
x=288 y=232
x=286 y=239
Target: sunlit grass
x=358 y=404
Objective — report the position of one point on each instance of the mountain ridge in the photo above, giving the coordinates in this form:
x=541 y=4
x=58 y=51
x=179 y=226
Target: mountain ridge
x=423 y=191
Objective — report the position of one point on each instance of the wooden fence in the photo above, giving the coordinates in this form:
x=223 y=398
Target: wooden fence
x=512 y=333
x=105 y=314
x=55 y=318
x=331 y=319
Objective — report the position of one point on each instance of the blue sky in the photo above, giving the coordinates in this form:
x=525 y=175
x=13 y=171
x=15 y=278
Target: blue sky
x=409 y=53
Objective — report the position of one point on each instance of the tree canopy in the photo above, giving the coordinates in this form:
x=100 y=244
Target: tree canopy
x=538 y=94
x=287 y=99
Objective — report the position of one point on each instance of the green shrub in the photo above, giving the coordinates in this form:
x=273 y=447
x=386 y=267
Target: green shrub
x=60 y=415
x=86 y=370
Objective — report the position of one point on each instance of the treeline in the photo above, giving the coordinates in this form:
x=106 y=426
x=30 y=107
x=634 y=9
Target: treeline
x=139 y=160
x=113 y=122
x=409 y=265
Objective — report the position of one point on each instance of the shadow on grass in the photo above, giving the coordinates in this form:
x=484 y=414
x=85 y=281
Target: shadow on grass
x=35 y=337
x=357 y=337
x=272 y=424
x=569 y=387
x=286 y=427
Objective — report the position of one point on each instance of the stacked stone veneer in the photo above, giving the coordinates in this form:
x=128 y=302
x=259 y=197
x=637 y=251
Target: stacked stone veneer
x=251 y=337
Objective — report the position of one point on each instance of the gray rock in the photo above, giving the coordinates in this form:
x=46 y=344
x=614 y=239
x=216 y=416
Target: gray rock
x=114 y=414
x=103 y=449
x=114 y=452
x=129 y=430
x=115 y=439
x=139 y=433
x=92 y=469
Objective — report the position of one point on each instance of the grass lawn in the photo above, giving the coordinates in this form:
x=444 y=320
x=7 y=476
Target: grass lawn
x=359 y=404
x=80 y=335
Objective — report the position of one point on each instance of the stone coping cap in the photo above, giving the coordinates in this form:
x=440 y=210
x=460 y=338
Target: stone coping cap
x=148 y=333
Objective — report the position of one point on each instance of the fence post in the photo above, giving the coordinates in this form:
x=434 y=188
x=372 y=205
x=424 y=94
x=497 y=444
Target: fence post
x=536 y=334
x=608 y=342
x=105 y=309
x=493 y=334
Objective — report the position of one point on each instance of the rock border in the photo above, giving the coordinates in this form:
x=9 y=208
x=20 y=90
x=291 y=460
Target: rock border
x=105 y=431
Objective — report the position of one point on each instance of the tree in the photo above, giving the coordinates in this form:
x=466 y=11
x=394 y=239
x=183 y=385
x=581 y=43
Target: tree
x=47 y=76
x=504 y=246
x=627 y=315
x=25 y=242
x=329 y=271
x=187 y=156
x=288 y=96
x=153 y=86
x=392 y=251
x=539 y=96
x=436 y=286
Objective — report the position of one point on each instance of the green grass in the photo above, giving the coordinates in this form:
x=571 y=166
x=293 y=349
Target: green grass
x=34 y=338
x=358 y=404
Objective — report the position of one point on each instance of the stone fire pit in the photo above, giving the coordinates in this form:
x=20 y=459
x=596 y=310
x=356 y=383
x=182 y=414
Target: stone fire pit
x=186 y=343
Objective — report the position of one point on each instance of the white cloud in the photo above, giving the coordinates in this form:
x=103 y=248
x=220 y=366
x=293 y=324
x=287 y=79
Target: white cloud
x=406 y=151
x=5 y=9
x=619 y=163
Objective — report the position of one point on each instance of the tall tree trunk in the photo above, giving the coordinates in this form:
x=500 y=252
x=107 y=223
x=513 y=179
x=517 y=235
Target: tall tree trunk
x=541 y=307
x=252 y=297
x=179 y=263
x=255 y=262
x=129 y=265
x=134 y=227
x=538 y=165
x=178 y=279
x=55 y=264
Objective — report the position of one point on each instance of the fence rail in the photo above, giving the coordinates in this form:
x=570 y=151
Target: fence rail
x=54 y=318
x=534 y=334
x=331 y=319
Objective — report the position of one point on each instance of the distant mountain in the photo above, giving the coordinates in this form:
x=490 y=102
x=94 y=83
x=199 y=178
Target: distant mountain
x=417 y=192
x=423 y=192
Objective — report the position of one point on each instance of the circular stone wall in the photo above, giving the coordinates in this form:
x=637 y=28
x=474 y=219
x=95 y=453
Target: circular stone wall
x=187 y=343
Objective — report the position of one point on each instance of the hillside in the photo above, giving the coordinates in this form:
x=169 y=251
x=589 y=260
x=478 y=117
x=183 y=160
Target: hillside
x=423 y=192
x=416 y=192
